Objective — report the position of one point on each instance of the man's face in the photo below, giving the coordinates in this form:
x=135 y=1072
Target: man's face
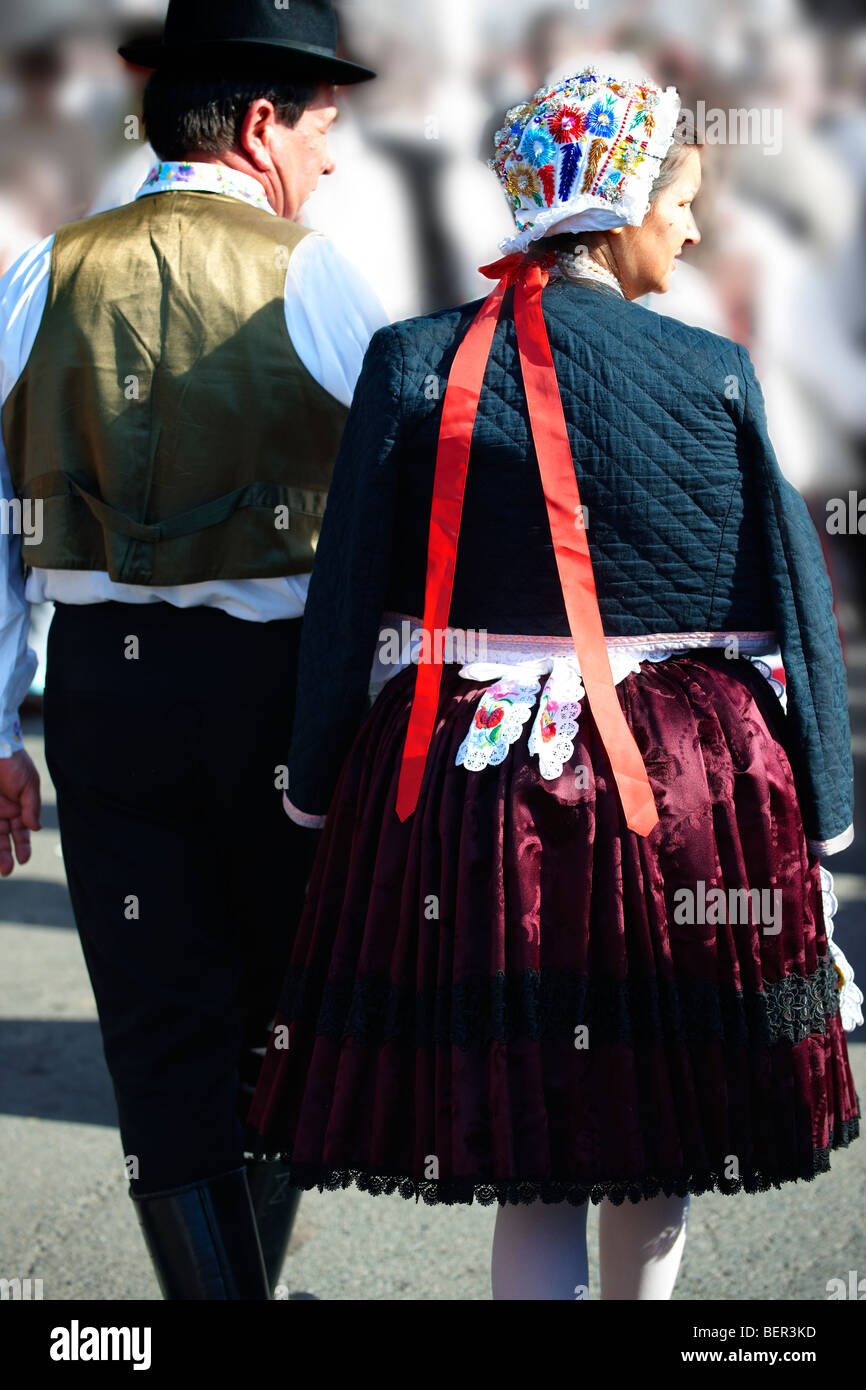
x=300 y=155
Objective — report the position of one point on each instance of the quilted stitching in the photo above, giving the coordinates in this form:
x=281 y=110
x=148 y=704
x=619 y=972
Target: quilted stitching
x=669 y=529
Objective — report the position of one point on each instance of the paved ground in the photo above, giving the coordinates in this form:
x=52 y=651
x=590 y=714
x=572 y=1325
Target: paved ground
x=65 y=1216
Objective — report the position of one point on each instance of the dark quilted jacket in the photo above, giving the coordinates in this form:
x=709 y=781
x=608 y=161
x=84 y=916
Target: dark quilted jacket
x=691 y=524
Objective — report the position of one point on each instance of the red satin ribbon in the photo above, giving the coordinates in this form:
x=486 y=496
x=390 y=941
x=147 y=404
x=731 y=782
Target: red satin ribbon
x=553 y=451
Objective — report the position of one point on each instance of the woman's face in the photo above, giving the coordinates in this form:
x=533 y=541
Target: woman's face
x=645 y=256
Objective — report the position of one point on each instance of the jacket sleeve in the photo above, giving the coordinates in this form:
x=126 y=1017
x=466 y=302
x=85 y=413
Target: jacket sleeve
x=820 y=743
x=347 y=589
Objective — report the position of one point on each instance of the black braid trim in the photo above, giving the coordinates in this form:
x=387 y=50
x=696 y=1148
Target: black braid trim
x=548 y=1005
x=451 y=1191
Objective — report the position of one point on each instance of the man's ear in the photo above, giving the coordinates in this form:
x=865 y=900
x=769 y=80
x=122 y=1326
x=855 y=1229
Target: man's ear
x=253 y=136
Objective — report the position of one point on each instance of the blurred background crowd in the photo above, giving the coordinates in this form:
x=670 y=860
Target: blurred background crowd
x=782 y=262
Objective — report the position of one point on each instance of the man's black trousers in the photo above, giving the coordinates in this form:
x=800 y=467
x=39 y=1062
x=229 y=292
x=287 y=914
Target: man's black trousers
x=164 y=732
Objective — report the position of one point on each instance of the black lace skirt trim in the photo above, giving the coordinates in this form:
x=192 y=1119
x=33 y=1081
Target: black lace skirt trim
x=451 y=1191
x=548 y=1005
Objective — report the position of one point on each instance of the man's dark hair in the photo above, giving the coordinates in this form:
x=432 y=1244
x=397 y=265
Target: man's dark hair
x=187 y=112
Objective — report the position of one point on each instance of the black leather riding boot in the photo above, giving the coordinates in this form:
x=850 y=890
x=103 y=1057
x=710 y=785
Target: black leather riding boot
x=275 y=1203
x=203 y=1240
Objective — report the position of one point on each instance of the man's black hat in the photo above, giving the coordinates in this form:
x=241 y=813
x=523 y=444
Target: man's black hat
x=302 y=36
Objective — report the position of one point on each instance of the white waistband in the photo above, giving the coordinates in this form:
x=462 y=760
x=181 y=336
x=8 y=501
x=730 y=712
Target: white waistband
x=402 y=641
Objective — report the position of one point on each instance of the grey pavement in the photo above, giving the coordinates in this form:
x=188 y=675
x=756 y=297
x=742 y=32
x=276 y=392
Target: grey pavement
x=66 y=1218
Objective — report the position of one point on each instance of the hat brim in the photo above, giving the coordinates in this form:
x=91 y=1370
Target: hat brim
x=297 y=58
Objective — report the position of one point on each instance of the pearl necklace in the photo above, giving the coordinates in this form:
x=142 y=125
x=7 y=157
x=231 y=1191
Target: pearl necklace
x=577 y=264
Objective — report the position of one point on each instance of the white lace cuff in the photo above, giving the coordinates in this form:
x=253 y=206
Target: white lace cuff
x=850 y=996
x=834 y=845
x=304 y=818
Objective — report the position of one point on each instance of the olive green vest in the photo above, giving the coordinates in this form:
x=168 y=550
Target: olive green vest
x=163 y=417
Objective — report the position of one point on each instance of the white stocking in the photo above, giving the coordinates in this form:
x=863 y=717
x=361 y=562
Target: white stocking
x=640 y=1245
x=539 y=1250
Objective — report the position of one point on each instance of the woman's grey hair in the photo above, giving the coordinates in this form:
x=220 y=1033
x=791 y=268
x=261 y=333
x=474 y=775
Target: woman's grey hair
x=669 y=167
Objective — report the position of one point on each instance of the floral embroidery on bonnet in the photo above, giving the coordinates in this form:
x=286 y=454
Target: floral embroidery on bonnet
x=590 y=144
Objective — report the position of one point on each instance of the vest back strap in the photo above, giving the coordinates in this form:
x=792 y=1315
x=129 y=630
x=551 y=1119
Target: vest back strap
x=304 y=501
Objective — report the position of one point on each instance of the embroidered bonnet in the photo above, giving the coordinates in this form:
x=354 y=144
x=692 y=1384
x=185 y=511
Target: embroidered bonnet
x=584 y=152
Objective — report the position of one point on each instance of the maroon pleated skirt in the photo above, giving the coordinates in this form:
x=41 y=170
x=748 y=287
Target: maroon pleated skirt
x=512 y=996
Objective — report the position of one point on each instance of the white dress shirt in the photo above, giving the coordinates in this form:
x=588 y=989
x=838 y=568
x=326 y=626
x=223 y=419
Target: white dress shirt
x=331 y=314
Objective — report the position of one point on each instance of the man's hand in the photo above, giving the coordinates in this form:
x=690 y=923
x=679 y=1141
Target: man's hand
x=20 y=805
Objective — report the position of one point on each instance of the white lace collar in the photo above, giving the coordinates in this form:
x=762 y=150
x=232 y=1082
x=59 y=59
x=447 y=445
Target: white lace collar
x=579 y=265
